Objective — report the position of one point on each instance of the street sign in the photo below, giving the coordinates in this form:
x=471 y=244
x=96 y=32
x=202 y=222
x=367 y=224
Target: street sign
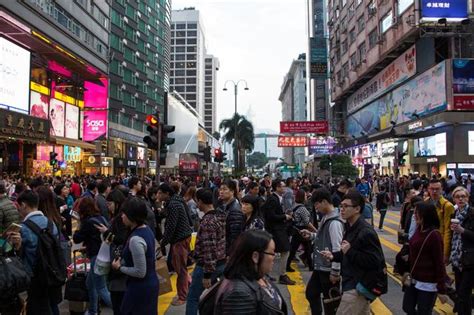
x=304 y=126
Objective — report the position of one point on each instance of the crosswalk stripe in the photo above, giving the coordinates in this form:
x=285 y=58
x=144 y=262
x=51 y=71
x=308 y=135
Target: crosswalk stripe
x=378 y=308
x=164 y=301
x=297 y=293
x=377 y=215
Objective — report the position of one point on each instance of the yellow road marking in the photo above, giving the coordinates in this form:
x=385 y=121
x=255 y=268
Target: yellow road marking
x=164 y=301
x=377 y=215
x=377 y=307
x=297 y=293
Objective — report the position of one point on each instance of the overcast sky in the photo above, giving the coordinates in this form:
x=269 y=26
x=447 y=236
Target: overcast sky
x=255 y=40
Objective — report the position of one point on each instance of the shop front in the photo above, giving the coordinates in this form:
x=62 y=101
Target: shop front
x=91 y=164
x=120 y=166
x=106 y=165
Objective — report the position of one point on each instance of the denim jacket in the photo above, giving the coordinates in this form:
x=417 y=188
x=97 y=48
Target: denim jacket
x=29 y=241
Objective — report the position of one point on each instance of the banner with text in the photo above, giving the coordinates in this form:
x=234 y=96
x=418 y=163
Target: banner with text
x=304 y=126
x=95 y=125
x=463 y=84
x=287 y=141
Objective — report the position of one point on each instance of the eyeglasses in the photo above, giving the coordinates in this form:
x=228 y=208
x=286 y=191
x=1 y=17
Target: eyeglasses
x=344 y=206
x=460 y=197
x=267 y=253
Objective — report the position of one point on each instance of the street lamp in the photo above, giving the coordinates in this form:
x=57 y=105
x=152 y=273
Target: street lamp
x=236 y=86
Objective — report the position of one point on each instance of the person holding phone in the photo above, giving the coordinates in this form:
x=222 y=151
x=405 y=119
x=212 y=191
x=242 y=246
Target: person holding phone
x=8 y=212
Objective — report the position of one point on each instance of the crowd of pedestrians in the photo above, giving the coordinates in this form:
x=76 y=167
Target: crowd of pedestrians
x=247 y=232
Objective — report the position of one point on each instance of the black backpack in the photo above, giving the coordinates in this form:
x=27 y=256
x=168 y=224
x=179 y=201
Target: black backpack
x=50 y=265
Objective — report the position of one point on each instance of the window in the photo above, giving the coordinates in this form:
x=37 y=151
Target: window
x=191 y=65
x=180 y=34
x=386 y=22
x=352 y=35
x=192 y=26
x=208 y=112
x=344 y=47
x=207 y=94
x=191 y=81
x=208 y=66
x=208 y=89
x=403 y=5
x=180 y=49
x=373 y=38
x=208 y=78
x=345 y=70
x=192 y=33
x=179 y=81
x=179 y=65
x=362 y=50
x=180 y=57
x=179 y=89
x=192 y=41
x=353 y=60
x=191 y=88
x=191 y=56
x=180 y=26
x=191 y=97
x=208 y=72
x=191 y=72
x=180 y=41
x=191 y=49
x=179 y=73
x=361 y=24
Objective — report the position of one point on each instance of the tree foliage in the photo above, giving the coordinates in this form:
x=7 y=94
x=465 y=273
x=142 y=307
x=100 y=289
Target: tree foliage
x=341 y=165
x=257 y=160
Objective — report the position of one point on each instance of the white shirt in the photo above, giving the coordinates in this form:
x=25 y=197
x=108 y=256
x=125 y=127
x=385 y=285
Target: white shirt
x=426 y=286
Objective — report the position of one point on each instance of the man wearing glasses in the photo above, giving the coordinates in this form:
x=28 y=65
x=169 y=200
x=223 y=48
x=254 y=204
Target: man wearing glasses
x=361 y=257
x=445 y=210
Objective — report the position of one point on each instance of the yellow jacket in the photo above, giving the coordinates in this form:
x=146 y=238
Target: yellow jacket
x=445 y=210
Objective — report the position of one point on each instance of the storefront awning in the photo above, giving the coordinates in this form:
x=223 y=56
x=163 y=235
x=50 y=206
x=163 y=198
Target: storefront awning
x=73 y=142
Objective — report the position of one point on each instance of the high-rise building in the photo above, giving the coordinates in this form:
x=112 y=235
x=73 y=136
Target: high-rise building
x=400 y=77
x=210 y=81
x=58 y=51
x=188 y=51
x=293 y=104
x=139 y=75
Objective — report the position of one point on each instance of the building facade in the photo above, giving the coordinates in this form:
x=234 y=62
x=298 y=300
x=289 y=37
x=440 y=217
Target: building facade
x=210 y=97
x=293 y=104
x=400 y=79
x=188 y=50
x=139 y=79
x=59 y=50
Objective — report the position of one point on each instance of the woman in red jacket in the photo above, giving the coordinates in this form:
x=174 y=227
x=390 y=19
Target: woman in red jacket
x=427 y=267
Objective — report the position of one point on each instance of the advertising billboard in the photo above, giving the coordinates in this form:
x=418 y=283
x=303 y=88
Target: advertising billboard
x=72 y=154
x=14 y=77
x=39 y=105
x=319 y=57
x=430 y=146
x=287 y=141
x=95 y=95
x=72 y=121
x=140 y=153
x=423 y=95
x=304 y=126
x=321 y=145
x=451 y=10
x=42 y=152
x=95 y=125
x=56 y=116
x=395 y=73
x=463 y=84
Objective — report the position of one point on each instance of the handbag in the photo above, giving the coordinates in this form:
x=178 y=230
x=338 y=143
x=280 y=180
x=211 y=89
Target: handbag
x=13 y=275
x=407 y=279
x=103 y=261
x=331 y=304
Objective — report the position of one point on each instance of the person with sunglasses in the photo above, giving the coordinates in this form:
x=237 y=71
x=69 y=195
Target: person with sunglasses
x=246 y=289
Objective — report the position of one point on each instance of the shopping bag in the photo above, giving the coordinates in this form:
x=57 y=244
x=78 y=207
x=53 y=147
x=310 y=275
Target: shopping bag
x=163 y=276
x=192 y=244
x=103 y=261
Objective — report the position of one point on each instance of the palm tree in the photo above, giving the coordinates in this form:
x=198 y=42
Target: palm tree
x=240 y=126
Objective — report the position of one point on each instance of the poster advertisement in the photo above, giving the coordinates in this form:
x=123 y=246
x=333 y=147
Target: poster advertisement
x=463 y=76
x=14 y=77
x=140 y=153
x=321 y=145
x=451 y=10
x=422 y=95
x=95 y=125
x=39 y=105
x=395 y=73
x=95 y=95
x=42 y=152
x=72 y=154
x=56 y=116
x=72 y=121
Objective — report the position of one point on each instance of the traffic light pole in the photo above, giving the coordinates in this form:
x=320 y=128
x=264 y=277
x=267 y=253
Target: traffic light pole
x=157 y=171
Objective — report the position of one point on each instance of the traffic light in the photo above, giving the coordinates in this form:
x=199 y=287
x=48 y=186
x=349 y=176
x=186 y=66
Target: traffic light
x=207 y=154
x=165 y=141
x=223 y=154
x=219 y=156
x=401 y=159
x=52 y=158
x=153 y=129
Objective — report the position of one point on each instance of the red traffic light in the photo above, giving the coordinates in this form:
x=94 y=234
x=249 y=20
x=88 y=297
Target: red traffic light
x=217 y=152
x=152 y=120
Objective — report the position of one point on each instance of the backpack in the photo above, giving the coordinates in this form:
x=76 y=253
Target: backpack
x=14 y=278
x=51 y=264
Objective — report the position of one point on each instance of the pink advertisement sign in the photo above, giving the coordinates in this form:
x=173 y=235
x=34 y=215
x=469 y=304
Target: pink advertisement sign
x=42 y=152
x=39 y=105
x=95 y=125
x=72 y=121
x=95 y=95
x=56 y=116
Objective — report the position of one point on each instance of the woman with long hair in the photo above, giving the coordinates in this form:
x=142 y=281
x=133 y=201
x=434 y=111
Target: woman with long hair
x=89 y=235
x=251 y=210
x=246 y=288
x=190 y=199
x=426 y=279
x=462 y=250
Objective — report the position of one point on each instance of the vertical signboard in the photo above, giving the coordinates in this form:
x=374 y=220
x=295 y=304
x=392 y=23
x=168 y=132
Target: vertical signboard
x=56 y=116
x=72 y=121
x=319 y=58
x=451 y=10
x=463 y=84
x=95 y=125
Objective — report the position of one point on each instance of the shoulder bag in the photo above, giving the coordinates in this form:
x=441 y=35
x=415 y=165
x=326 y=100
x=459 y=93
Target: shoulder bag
x=407 y=279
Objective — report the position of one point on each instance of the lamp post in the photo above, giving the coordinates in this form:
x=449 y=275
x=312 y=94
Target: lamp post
x=236 y=88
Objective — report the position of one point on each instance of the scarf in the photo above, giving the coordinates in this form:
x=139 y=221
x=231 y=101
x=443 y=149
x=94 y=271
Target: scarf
x=456 y=244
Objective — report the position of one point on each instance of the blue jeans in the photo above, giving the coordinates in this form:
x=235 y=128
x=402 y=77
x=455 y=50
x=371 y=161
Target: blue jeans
x=97 y=287
x=196 y=288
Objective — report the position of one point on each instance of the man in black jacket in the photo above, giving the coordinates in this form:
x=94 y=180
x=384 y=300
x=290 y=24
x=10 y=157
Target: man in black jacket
x=276 y=223
x=361 y=256
x=235 y=220
x=178 y=234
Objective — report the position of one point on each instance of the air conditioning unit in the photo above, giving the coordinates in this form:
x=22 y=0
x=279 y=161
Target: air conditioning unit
x=372 y=11
x=123 y=86
x=148 y=45
x=124 y=63
x=125 y=19
x=137 y=74
x=136 y=94
x=124 y=40
x=395 y=22
x=380 y=39
x=139 y=14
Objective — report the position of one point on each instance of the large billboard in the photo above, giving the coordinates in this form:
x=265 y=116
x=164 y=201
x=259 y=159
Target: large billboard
x=72 y=121
x=39 y=105
x=451 y=10
x=321 y=145
x=395 y=73
x=423 y=95
x=14 y=76
x=319 y=57
x=56 y=116
x=95 y=95
x=463 y=84
x=95 y=125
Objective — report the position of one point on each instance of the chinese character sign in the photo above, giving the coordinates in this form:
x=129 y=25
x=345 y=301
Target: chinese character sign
x=304 y=126
x=287 y=141
x=451 y=10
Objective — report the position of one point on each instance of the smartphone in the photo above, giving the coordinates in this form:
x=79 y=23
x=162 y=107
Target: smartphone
x=62 y=208
x=12 y=228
